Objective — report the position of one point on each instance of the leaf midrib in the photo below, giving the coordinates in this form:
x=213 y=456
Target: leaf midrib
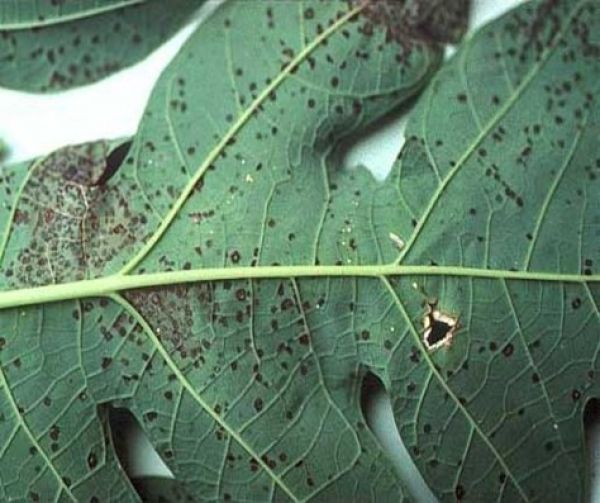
x=53 y=21
x=119 y=282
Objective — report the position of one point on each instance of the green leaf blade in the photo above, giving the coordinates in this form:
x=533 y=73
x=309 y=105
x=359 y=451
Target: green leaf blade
x=19 y=14
x=508 y=165
x=82 y=42
x=243 y=359
x=54 y=444
x=334 y=95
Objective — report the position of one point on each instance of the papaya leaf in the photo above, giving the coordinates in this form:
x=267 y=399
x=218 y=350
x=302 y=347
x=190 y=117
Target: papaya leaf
x=36 y=14
x=52 y=46
x=231 y=285
x=72 y=217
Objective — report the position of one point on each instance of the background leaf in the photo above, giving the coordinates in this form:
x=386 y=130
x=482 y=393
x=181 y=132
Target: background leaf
x=38 y=13
x=77 y=43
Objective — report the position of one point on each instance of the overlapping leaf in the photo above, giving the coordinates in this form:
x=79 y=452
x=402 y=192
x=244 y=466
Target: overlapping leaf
x=38 y=13
x=233 y=285
x=51 y=46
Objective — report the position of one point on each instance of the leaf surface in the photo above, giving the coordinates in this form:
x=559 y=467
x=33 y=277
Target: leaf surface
x=231 y=285
x=37 y=13
x=51 y=46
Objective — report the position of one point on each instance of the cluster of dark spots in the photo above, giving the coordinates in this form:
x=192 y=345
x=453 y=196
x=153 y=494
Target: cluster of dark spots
x=406 y=23
x=494 y=173
x=592 y=175
x=499 y=134
x=88 y=167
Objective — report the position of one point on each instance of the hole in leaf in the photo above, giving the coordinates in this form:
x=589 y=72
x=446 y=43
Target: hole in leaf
x=438 y=332
x=113 y=162
x=133 y=447
x=377 y=410
x=370 y=390
x=439 y=328
x=376 y=146
x=591 y=424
